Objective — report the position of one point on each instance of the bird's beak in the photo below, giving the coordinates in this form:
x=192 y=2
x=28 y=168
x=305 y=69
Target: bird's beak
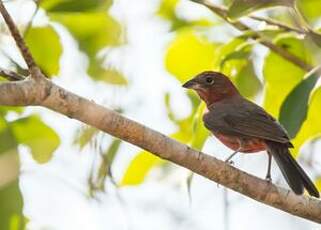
x=191 y=84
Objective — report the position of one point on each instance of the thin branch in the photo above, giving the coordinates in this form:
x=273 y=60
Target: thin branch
x=19 y=40
x=222 y=12
x=278 y=24
x=11 y=75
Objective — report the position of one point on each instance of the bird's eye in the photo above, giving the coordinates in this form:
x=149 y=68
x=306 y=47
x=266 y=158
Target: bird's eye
x=210 y=80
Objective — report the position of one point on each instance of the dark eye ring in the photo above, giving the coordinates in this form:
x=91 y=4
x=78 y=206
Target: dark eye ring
x=210 y=80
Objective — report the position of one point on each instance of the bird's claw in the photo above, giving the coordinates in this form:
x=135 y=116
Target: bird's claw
x=268 y=179
x=230 y=162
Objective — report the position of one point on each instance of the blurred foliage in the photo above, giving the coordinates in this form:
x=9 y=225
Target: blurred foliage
x=310 y=9
x=240 y=8
x=167 y=10
x=11 y=217
x=280 y=75
x=287 y=88
x=294 y=108
x=289 y=93
x=47 y=52
x=93 y=28
x=189 y=54
x=74 y=5
x=35 y=134
x=311 y=127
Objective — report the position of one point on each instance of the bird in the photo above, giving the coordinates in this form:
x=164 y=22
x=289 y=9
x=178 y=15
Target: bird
x=245 y=127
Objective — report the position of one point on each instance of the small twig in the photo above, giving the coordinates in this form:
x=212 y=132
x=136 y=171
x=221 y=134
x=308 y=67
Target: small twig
x=11 y=75
x=278 y=24
x=222 y=12
x=19 y=41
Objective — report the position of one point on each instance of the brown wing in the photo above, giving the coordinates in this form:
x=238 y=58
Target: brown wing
x=245 y=119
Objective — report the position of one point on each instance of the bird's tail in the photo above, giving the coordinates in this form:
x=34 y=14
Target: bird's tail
x=291 y=170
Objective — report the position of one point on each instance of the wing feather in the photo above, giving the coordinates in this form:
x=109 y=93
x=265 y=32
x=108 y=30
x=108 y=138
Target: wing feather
x=245 y=119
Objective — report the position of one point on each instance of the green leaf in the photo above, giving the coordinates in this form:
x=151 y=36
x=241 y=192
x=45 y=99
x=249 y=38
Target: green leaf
x=315 y=37
x=318 y=183
x=139 y=167
x=200 y=133
x=247 y=81
x=144 y=161
x=309 y=8
x=294 y=108
x=8 y=141
x=74 y=5
x=44 y=44
x=240 y=8
x=41 y=139
x=311 y=127
x=84 y=136
x=11 y=207
x=167 y=10
x=189 y=54
x=280 y=75
x=233 y=59
x=105 y=167
x=98 y=30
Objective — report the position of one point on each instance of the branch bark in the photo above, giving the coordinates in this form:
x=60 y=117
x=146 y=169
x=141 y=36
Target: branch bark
x=47 y=94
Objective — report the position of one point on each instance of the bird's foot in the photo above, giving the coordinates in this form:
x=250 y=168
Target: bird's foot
x=230 y=162
x=268 y=178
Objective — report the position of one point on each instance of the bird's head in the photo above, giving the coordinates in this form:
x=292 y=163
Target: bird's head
x=212 y=87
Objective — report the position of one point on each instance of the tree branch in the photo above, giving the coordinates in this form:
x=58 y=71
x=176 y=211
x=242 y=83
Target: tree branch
x=222 y=12
x=278 y=24
x=60 y=100
x=19 y=42
x=41 y=91
x=11 y=75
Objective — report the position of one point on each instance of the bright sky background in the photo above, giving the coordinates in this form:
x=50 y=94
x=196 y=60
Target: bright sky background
x=55 y=194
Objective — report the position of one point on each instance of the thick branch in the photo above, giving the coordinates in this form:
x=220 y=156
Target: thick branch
x=88 y=112
x=222 y=12
x=18 y=93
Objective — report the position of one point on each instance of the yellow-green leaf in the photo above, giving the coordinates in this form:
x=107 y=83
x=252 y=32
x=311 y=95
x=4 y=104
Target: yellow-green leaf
x=280 y=75
x=11 y=207
x=309 y=8
x=98 y=30
x=8 y=141
x=239 y=8
x=200 y=133
x=311 y=128
x=74 y=5
x=139 y=167
x=294 y=109
x=41 y=139
x=144 y=162
x=45 y=47
x=233 y=59
x=189 y=54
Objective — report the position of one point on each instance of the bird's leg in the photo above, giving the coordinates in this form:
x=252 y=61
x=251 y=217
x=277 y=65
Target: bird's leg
x=268 y=173
x=228 y=160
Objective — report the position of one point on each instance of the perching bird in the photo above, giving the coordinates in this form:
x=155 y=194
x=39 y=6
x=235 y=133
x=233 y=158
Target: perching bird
x=245 y=127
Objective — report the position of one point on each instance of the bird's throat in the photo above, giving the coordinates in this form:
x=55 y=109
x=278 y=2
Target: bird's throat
x=210 y=98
